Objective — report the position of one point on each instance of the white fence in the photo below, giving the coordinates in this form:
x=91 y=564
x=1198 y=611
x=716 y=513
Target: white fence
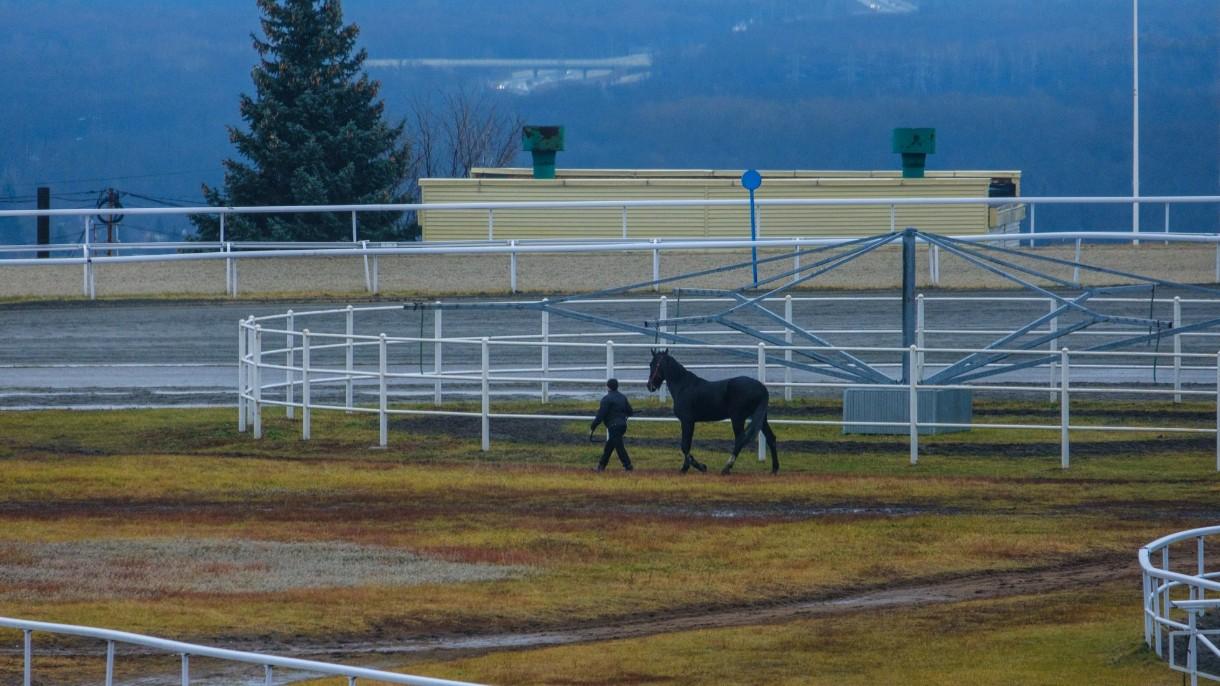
x=188 y=650
x=1177 y=603
x=280 y=365
x=232 y=252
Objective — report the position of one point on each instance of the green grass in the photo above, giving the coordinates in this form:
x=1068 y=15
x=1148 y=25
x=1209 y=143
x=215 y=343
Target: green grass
x=602 y=548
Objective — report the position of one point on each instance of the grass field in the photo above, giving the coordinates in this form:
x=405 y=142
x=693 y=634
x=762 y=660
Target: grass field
x=170 y=522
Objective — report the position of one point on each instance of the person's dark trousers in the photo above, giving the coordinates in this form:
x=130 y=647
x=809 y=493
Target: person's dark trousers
x=615 y=443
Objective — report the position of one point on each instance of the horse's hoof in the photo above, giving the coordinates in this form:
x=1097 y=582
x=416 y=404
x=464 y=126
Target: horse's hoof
x=726 y=471
x=701 y=467
x=774 y=472
x=684 y=469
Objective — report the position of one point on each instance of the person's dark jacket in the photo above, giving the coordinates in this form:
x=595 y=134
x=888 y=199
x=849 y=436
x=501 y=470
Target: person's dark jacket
x=614 y=411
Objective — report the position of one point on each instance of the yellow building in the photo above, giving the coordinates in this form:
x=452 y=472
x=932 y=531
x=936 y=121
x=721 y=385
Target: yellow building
x=516 y=184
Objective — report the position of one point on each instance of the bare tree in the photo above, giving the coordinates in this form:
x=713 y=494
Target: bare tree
x=458 y=132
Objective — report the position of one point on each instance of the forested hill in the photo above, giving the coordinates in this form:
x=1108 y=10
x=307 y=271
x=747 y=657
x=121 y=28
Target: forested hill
x=136 y=94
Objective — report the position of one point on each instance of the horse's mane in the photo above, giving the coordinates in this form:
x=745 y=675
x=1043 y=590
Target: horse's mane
x=675 y=372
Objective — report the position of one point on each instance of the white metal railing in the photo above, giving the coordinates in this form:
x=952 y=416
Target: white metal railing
x=232 y=252
x=289 y=374
x=187 y=650
x=1182 y=608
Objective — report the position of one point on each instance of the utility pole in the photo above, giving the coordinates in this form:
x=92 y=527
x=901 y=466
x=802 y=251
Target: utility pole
x=44 y=222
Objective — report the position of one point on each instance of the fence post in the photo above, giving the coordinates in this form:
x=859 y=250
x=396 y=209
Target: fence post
x=289 y=377
x=27 y=651
x=368 y=276
x=84 y=252
x=186 y=670
x=268 y=676
x=512 y=267
x=656 y=266
x=350 y=353
x=893 y=217
x=796 y=260
x=788 y=352
x=1076 y=267
x=1166 y=220
x=662 y=314
x=355 y=238
x=256 y=355
x=609 y=360
x=242 y=338
x=932 y=264
x=485 y=420
x=376 y=274
x=546 y=353
x=491 y=224
x=235 y=269
x=226 y=248
x=919 y=325
x=437 y=354
x=1177 y=349
x=109 y=663
x=382 y=424
x=306 y=415
x=1054 y=326
x=762 y=376
x=1065 y=448
x=913 y=405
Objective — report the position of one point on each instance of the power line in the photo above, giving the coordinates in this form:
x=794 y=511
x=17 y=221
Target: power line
x=124 y=178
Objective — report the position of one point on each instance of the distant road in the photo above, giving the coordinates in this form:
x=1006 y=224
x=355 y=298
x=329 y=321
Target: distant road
x=183 y=353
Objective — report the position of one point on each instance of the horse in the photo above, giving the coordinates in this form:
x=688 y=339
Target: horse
x=699 y=400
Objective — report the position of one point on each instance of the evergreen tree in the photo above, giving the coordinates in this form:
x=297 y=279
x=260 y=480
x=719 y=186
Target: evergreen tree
x=316 y=134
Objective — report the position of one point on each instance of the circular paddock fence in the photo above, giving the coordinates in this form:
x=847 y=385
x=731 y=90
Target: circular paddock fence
x=1182 y=602
x=407 y=360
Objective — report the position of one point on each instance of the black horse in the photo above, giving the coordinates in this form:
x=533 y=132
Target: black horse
x=699 y=400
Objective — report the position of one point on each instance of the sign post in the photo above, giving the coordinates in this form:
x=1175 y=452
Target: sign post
x=751 y=181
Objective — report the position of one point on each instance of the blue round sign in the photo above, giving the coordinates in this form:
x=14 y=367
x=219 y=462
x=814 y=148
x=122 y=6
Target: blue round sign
x=751 y=180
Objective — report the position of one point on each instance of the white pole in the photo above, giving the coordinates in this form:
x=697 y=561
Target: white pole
x=609 y=360
x=656 y=266
x=382 y=424
x=546 y=354
x=788 y=353
x=1054 y=326
x=913 y=405
x=893 y=217
x=1065 y=454
x=268 y=678
x=368 y=275
x=919 y=324
x=491 y=224
x=186 y=670
x=349 y=359
x=109 y=663
x=762 y=376
x=376 y=274
x=27 y=651
x=306 y=415
x=354 y=238
x=1135 y=116
x=256 y=356
x=1076 y=267
x=796 y=261
x=437 y=354
x=222 y=227
x=243 y=336
x=485 y=420
x=512 y=268
x=289 y=377
x=1177 y=350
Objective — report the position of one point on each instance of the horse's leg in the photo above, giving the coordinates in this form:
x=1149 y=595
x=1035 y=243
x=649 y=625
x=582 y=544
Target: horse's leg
x=757 y=419
x=770 y=435
x=739 y=424
x=688 y=435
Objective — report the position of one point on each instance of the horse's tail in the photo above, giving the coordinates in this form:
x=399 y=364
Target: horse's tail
x=757 y=418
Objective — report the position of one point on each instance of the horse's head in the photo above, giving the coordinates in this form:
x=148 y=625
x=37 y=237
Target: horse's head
x=656 y=370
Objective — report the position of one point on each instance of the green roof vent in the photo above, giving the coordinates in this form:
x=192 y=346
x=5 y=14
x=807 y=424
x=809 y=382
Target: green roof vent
x=914 y=145
x=542 y=142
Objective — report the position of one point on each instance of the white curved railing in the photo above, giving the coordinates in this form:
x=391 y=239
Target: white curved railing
x=290 y=375
x=187 y=650
x=1182 y=608
x=232 y=252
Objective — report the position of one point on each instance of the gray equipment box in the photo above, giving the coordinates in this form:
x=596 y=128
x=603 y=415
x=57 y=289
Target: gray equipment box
x=863 y=408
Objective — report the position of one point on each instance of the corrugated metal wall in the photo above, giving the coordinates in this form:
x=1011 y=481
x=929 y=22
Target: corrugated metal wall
x=714 y=222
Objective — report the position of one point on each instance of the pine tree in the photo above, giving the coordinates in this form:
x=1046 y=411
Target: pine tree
x=316 y=134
